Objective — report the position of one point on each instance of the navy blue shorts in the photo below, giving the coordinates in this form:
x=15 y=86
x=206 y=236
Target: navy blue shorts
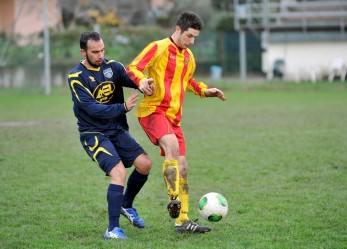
x=107 y=151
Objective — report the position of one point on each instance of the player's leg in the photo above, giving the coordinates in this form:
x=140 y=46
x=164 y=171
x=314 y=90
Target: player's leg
x=132 y=154
x=169 y=144
x=102 y=151
x=115 y=200
x=183 y=171
x=183 y=223
x=136 y=181
x=160 y=132
x=183 y=191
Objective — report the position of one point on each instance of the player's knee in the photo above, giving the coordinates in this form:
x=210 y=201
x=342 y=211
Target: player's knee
x=143 y=164
x=118 y=174
x=146 y=165
x=169 y=144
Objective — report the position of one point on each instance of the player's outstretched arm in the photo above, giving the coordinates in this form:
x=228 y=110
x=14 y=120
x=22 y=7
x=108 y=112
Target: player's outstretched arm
x=215 y=92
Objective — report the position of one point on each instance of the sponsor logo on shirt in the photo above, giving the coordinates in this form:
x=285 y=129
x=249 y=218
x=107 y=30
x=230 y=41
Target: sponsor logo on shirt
x=103 y=93
x=92 y=78
x=172 y=57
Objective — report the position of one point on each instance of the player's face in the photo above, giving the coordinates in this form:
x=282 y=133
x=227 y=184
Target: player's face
x=187 y=38
x=94 y=54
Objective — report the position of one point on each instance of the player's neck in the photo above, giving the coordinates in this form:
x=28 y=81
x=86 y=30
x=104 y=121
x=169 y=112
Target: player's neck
x=172 y=38
x=87 y=65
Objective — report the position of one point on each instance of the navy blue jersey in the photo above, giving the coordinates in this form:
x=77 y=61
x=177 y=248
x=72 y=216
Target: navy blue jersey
x=98 y=97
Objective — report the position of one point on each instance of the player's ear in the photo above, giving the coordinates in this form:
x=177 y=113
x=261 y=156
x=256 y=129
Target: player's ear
x=178 y=29
x=83 y=52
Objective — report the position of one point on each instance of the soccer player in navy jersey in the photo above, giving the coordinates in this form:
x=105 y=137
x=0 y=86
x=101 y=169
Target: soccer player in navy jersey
x=96 y=85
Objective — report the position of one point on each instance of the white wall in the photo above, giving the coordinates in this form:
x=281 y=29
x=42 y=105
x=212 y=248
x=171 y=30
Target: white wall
x=303 y=60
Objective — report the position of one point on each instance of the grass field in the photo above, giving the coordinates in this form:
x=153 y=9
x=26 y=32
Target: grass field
x=277 y=152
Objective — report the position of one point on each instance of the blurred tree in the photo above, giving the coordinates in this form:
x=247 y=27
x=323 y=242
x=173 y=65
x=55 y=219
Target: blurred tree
x=202 y=7
x=76 y=12
x=222 y=5
x=110 y=18
x=109 y=12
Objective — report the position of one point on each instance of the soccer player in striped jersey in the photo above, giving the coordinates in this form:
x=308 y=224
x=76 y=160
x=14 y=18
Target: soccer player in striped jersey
x=169 y=64
x=96 y=85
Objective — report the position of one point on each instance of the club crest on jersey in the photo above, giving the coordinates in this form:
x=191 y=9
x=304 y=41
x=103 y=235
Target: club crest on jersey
x=186 y=60
x=92 y=78
x=103 y=93
x=108 y=73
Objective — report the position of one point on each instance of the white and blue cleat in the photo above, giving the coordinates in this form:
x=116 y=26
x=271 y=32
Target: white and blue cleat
x=116 y=233
x=133 y=217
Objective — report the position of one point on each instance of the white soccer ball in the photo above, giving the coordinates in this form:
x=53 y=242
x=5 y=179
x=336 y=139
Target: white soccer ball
x=213 y=206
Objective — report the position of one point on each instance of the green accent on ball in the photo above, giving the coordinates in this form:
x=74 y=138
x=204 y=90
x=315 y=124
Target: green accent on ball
x=222 y=200
x=215 y=217
x=202 y=203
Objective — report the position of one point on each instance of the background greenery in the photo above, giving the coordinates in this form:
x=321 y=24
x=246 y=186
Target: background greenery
x=126 y=28
x=276 y=151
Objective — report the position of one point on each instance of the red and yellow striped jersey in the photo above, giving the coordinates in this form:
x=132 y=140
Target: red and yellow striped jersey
x=172 y=69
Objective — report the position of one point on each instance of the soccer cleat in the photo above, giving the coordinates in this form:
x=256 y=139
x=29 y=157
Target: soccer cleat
x=133 y=217
x=191 y=227
x=174 y=208
x=116 y=233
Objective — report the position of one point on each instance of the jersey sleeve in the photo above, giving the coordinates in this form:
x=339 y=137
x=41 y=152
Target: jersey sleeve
x=84 y=99
x=198 y=88
x=136 y=69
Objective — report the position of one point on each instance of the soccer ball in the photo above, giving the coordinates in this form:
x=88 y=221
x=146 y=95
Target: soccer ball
x=213 y=207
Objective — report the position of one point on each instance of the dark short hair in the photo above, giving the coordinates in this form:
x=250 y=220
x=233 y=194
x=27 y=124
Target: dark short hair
x=86 y=36
x=188 y=20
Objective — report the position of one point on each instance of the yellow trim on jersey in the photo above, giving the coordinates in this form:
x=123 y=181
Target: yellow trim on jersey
x=73 y=82
x=74 y=75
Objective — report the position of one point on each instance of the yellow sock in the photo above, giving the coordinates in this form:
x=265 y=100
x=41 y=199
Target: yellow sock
x=171 y=177
x=184 y=198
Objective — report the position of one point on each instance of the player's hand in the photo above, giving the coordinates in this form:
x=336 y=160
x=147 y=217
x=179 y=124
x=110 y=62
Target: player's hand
x=147 y=86
x=131 y=101
x=215 y=92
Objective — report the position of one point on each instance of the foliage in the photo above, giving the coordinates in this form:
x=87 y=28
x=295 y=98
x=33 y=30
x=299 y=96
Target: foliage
x=224 y=22
x=122 y=43
x=79 y=16
x=138 y=37
x=28 y=55
x=110 y=18
x=222 y=5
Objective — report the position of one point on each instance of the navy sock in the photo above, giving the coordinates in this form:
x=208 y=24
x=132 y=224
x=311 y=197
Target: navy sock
x=135 y=183
x=114 y=200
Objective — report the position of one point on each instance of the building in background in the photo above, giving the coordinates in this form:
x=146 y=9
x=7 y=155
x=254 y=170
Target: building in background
x=301 y=39
x=25 y=17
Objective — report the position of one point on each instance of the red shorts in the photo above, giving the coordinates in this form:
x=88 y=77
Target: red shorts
x=157 y=125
